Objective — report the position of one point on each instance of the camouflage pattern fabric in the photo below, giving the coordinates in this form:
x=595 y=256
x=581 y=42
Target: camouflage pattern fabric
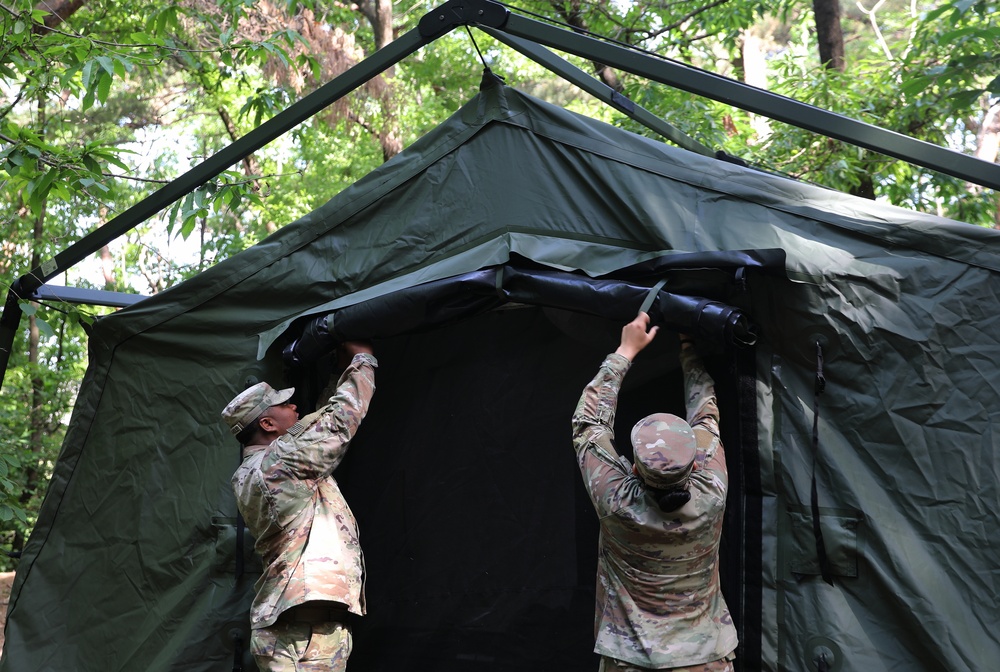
x=251 y=403
x=659 y=602
x=664 y=448
x=612 y=665
x=306 y=534
x=302 y=647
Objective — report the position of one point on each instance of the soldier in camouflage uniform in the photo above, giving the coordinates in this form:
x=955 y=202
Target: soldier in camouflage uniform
x=305 y=533
x=659 y=603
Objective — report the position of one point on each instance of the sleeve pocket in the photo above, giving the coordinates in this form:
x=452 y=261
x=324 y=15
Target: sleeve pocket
x=262 y=642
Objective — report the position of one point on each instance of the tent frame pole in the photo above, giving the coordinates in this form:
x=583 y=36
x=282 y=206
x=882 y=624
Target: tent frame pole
x=599 y=90
x=758 y=101
x=25 y=287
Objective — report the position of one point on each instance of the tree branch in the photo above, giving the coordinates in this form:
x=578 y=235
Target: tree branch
x=60 y=10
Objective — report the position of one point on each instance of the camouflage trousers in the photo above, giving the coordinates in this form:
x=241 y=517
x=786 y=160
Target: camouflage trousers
x=302 y=647
x=721 y=665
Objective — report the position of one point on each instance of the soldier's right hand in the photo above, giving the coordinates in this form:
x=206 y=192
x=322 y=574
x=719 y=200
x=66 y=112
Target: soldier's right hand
x=635 y=337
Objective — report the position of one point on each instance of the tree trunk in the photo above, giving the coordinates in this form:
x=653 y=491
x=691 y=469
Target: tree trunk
x=379 y=15
x=988 y=149
x=59 y=11
x=571 y=14
x=829 y=34
x=382 y=25
x=36 y=409
x=108 y=268
x=389 y=136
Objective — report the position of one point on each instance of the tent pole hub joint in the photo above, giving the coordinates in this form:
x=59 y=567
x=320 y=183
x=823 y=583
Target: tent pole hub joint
x=456 y=13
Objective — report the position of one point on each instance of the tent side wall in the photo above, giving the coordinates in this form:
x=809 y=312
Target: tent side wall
x=906 y=466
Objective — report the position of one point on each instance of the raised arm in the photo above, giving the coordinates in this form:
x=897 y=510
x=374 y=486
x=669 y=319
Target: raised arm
x=700 y=402
x=317 y=447
x=636 y=335
x=600 y=464
x=597 y=406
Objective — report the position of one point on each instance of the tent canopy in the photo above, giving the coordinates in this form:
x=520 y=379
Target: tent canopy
x=480 y=542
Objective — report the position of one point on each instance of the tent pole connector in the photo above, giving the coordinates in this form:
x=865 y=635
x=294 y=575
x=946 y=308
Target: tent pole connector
x=454 y=13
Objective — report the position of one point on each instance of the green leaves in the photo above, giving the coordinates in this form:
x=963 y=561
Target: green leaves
x=16 y=27
x=163 y=20
x=10 y=509
x=230 y=192
x=993 y=88
x=37 y=189
x=264 y=104
x=29 y=310
x=98 y=75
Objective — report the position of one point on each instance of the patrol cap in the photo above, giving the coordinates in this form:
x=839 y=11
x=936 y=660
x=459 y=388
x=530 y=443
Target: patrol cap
x=250 y=403
x=665 y=448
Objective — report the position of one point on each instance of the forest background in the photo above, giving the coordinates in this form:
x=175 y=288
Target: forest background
x=102 y=103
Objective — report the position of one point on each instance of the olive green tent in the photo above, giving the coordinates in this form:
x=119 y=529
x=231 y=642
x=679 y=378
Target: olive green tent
x=854 y=347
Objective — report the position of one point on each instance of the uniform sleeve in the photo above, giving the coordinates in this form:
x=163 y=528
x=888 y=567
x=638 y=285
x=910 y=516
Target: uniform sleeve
x=320 y=448
x=593 y=433
x=702 y=409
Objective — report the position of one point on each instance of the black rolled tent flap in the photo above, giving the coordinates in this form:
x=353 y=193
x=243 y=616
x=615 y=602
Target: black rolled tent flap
x=441 y=302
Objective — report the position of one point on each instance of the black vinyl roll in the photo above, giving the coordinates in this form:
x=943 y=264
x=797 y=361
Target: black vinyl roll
x=445 y=301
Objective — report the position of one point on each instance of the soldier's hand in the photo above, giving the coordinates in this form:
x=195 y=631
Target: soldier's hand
x=635 y=336
x=347 y=349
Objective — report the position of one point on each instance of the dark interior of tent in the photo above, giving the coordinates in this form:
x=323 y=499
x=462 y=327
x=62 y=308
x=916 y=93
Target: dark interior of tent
x=480 y=540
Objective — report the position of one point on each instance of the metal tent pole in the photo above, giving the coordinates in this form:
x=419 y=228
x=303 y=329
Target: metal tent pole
x=599 y=90
x=24 y=288
x=758 y=101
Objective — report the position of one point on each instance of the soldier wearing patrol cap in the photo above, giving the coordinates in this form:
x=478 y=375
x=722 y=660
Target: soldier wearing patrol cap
x=659 y=602
x=306 y=535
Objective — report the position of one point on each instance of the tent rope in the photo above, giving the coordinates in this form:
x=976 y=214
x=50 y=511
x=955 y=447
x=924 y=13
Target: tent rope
x=238 y=653
x=474 y=44
x=824 y=561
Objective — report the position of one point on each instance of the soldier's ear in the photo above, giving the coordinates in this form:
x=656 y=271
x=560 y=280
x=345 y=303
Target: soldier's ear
x=267 y=424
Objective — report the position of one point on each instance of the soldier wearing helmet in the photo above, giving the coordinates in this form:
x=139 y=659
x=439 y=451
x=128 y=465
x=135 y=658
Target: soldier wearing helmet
x=659 y=602
x=306 y=535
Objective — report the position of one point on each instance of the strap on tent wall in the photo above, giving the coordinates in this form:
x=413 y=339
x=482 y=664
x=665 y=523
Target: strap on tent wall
x=741 y=577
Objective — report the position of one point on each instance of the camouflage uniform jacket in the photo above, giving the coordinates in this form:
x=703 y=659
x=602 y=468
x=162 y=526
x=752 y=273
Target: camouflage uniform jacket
x=306 y=534
x=659 y=603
